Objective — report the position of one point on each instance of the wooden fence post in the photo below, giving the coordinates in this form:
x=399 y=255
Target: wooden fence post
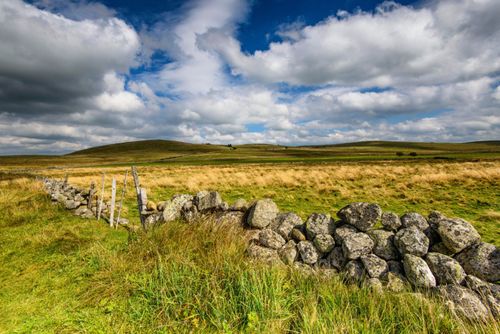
x=91 y=195
x=139 y=197
x=121 y=200
x=113 y=198
x=99 y=208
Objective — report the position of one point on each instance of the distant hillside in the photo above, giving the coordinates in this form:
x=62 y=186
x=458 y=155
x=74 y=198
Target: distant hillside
x=149 y=146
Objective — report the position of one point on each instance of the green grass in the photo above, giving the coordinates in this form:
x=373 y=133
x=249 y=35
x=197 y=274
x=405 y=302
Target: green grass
x=62 y=274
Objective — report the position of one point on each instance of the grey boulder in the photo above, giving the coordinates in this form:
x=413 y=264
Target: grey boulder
x=418 y=272
x=324 y=243
x=446 y=270
x=286 y=222
x=357 y=245
x=262 y=213
x=318 y=223
x=411 y=240
x=360 y=215
x=384 y=244
x=288 y=253
x=207 y=201
x=271 y=239
x=457 y=234
x=336 y=258
x=374 y=265
x=308 y=252
x=481 y=260
x=391 y=221
x=414 y=219
x=263 y=254
x=464 y=302
x=343 y=231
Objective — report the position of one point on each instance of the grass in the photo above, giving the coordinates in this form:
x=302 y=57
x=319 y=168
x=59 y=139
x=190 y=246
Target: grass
x=62 y=274
x=66 y=275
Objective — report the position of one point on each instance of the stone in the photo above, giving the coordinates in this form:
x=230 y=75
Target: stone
x=394 y=282
x=297 y=235
x=153 y=219
x=189 y=212
x=324 y=243
x=308 y=252
x=230 y=218
x=457 y=234
x=374 y=265
x=151 y=206
x=336 y=258
x=262 y=213
x=360 y=215
x=356 y=245
x=481 y=287
x=440 y=248
x=481 y=260
x=374 y=284
x=414 y=219
x=418 y=272
x=239 y=205
x=288 y=253
x=286 y=222
x=173 y=207
x=264 y=254
x=445 y=269
x=318 y=223
x=464 y=302
x=207 y=201
x=327 y=273
x=303 y=268
x=79 y=198
x=384 y=244
x=343 y=231
x=80 y=210
x=271 y=239
x=354 y=271
x=434 y=217
x=391 y=221
x=71 y=204
x=161 y=206
x=411 y=240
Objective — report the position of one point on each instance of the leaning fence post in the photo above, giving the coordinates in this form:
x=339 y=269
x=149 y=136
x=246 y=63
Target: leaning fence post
x=91 y=195
x=121 y=200
x=139 y=197
x=99 y=208
x=113 y=197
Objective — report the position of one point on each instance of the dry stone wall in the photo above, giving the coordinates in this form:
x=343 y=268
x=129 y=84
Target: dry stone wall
x=363 y=244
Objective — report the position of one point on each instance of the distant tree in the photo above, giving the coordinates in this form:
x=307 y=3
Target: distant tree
x=208 y=144
x=413 y=154
x=229 y=145
x=400 y=154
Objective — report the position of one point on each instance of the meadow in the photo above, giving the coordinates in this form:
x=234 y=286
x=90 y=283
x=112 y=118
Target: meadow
x=63 y=274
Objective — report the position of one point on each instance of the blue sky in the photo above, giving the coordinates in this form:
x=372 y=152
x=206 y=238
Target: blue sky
x=82 y=73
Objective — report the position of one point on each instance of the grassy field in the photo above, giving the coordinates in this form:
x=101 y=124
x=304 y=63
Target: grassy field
x=62 y=274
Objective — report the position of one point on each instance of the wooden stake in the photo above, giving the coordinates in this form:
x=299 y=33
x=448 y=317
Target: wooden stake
x=113 y=197
x=91 y=195
x=121 y=200
x=139 y=197
x=99 y=208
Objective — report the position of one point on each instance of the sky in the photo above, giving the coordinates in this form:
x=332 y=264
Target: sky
x=75 y=74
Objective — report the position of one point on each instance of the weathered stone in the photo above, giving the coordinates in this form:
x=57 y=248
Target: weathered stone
x=71 y=204
x=286 y=222
x=434 y=218
x=189 y=212
x=457 y=234
x=79 y=198
x=151 y=206
x=411 y=240
x=324 y=243
x=394 y=282
x=288 y=253
x=304 y=269
x=223 y=206
x=80 y=210
x=172 y=208
x=374 y=265
x=153 y=219
x=239 y=205
x=384 y=244
x=161 y=205
x=418 y=272
x=356 y=245
x=297 y=235
x=414 y=219
x=207 y=201
x=263 y=254
x=262 y=213
x=308 y=253
x=336 y=258
x=446 y=270
x=271 y=239
x=391 y=221
x=230 y=218
x=481 y=260
x=354 y=271
x=327 y=273
x=374 y=284
x=360 y=215
x=318 y=223
x=343 y=231
x=465 y=302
